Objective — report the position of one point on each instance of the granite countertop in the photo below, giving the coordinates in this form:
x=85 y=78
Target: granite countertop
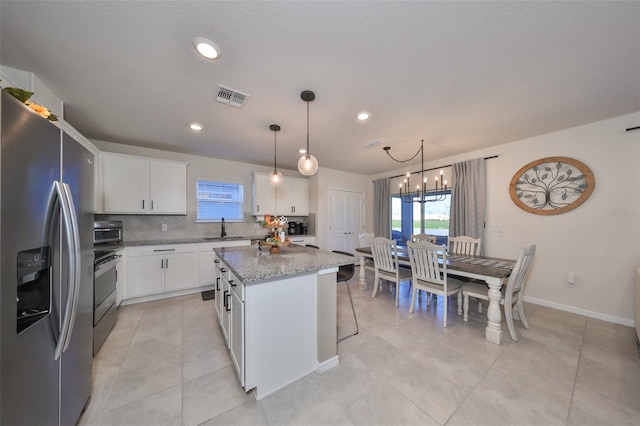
x=252 y=265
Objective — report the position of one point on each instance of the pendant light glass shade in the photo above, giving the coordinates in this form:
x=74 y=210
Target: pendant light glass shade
x=275 y=177
x=308 y=164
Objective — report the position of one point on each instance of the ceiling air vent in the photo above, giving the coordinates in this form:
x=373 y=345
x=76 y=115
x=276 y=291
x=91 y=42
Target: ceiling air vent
x=231 y=97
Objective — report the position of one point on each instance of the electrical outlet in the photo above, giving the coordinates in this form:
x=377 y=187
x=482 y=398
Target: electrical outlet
x=571 y=279
x=164 y=227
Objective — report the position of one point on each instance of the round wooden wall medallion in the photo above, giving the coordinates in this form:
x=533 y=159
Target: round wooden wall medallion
x=552 y=185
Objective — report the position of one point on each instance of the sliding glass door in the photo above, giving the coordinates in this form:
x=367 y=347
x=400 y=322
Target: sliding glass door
x=420 y=218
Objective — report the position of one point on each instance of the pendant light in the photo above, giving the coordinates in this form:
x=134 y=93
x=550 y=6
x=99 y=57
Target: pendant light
x=275 y=178
x=308 y=164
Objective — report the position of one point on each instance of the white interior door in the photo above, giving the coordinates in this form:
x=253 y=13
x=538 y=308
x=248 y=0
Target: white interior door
x=346 y=219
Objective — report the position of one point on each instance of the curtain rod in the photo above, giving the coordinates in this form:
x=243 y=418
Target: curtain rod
x=435 y=168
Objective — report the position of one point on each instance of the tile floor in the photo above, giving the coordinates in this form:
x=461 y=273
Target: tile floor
x=165 y=364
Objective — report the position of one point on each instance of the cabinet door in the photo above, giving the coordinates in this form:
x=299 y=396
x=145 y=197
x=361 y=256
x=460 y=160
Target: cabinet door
x=125 y=183
x=180 y=271
x=236 y=344
x=263 y=195
x=300 y=198
x=218 y=284
x=226 y=309
x=284 y=197
x=167 y=188
x=145 y=276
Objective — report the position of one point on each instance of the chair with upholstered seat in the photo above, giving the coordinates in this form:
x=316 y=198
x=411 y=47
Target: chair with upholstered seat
x=385 y=262
x=429 y=273
x=345 y=273
x=423 y=237
x=512 y=293
x=465 y=245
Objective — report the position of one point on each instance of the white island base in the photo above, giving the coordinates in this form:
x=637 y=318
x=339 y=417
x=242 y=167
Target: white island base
x=290 y=330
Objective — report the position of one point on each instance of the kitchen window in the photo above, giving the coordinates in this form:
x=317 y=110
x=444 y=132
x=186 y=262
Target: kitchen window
x=415 y=218
x=217 y=200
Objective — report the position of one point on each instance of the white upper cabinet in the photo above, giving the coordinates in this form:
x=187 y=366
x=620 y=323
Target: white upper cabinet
x=263 y=195
x=138 y=185
x=291 y=198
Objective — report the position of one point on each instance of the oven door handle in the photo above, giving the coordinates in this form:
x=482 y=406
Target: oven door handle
x=104 y=267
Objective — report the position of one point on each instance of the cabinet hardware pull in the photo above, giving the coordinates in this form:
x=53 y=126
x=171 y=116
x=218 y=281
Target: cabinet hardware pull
x=142 y=204
x=216 y=261
x=228 y=306
x=231 y=283
x=151 y=204
x=224 y=299
x=157 y=250
x=161 y=263
x=223 y=270
x=217 y=283
x=166 y=263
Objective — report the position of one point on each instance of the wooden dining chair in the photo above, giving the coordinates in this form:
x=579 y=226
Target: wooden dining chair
x=465 y=245
x=429 y=273
x=512 y=293
x=385 y=263
x=365 y=241
x=345 y=273
x=423 y=237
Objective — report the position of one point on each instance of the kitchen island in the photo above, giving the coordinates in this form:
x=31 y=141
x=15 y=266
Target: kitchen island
x=277 y=312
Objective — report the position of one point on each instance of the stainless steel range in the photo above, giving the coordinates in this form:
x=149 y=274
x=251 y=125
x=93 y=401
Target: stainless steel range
x=107 y=240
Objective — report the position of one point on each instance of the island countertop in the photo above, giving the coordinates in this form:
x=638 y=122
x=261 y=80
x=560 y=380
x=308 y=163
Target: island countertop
x=252 y=265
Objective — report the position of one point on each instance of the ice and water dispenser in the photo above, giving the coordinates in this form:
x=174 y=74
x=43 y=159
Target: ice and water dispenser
x=34 y=286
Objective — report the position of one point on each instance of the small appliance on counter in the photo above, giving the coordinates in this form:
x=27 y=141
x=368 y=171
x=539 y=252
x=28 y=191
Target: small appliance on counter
x=293 y=228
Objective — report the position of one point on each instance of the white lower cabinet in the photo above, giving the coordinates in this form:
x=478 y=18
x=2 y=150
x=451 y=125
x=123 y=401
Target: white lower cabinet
x=153 y=270
x=236 y=337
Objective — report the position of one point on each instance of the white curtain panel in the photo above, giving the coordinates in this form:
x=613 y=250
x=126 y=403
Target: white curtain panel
x=382 y=207
x=468 y=200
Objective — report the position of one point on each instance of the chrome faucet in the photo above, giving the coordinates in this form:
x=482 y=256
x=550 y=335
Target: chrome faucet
x=223 y=232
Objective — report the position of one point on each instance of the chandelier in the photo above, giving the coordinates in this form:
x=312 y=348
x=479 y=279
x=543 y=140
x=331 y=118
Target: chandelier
x=421 y=194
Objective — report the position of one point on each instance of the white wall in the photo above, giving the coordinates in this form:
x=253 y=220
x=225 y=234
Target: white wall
x=599 y=241
x=328 y=179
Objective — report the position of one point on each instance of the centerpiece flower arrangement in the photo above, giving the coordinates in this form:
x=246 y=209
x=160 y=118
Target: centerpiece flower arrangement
x=23 y=96
x=277 y=238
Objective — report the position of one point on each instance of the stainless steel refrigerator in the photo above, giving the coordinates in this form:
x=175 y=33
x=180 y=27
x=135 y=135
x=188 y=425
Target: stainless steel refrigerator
x=46 y=298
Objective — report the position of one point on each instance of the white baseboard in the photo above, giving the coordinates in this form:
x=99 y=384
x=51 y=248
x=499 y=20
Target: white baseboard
x=328 y=364
x=591 y=314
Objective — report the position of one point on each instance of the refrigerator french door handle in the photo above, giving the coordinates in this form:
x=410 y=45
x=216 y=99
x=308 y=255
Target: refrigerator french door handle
x=69 y=240
x=77 y=256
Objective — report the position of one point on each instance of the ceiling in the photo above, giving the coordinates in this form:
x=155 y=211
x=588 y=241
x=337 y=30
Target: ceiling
x=460 y=75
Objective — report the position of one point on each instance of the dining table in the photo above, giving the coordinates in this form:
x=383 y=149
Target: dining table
x=494 y=271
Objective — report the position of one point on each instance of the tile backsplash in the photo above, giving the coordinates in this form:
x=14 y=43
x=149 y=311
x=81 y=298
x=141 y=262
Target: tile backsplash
x=149 y=227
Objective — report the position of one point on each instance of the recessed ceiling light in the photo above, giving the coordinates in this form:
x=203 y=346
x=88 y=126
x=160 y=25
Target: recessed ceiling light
x=206 y=48
x=195 y=126
x=363 y=115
